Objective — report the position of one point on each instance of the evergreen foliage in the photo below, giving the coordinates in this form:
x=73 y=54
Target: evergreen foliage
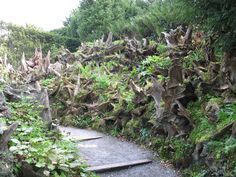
x=218 y=18
x=142 y=18
x=92 y=18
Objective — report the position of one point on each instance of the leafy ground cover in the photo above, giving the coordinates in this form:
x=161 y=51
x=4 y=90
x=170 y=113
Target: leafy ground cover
x=48 y=152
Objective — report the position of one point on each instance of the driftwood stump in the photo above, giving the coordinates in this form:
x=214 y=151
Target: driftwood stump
x=6 y=136
x=6 y=158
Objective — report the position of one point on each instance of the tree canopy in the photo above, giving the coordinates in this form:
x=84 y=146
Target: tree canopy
x=218 y=18
x=147 y=18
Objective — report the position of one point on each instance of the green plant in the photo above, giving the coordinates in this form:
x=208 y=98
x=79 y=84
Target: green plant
x=111 y=64
x=148 y=67
x=102 y=81
x=230 y=146
x=86 y=71
x=204 y=129
x=194 y=56
x=83 y=121
x=162 y=62
x=162 y=48
x=48 y=81
x=115 y=132
x=172 y=149
x=43 y=149
x=128 y=97
x=145 y=133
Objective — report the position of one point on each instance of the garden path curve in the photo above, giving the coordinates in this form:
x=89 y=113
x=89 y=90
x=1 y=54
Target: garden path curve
x=104 y=154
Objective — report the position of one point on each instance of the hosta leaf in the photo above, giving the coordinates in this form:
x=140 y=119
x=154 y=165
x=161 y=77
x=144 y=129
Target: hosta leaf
x=33 y=149
x=29 y=161
x=64 y=168
x=13 y=148
x=20 y=152
x=34 y=140
x=16 y=141
x=40 y=164
x=74 y=164
x=28 y=130
x=69 y=156
x=51 y=167
x=46 y=173
x=23 y=147
x=53 y=158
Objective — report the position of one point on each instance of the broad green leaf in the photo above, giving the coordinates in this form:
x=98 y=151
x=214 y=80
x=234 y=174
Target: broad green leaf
x=16 y=141
x=40 y=164
x=46 y=173
x=13 y=148
x=51 y=167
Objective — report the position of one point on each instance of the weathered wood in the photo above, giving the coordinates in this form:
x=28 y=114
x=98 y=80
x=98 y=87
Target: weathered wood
x=43 y=99
x=223 y=131
x=109 y=39
x=188 y=35
x=77 y=87
x=23 y=63
x=156 y=92
x=6 y=136
x=109 y=167
x=47 y=62
x=88 y=138
x=233 y=134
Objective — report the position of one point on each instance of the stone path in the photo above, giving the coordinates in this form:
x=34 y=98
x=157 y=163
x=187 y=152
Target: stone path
x=99 y=149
